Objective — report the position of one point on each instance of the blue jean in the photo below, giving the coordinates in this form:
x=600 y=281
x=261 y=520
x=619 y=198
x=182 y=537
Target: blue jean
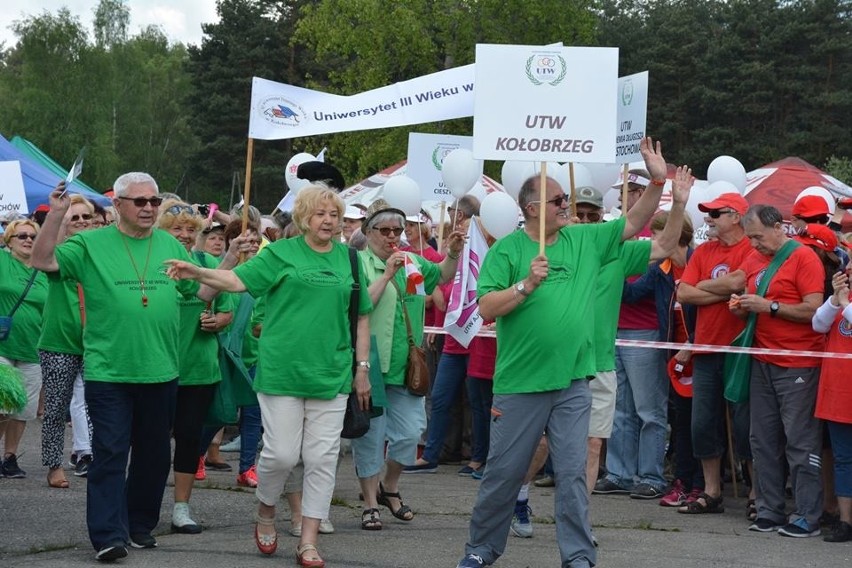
x=637 y=447
x=479 y=394
x=841 y=446
x=250 y=431
x=119 y=500
x=452 y=370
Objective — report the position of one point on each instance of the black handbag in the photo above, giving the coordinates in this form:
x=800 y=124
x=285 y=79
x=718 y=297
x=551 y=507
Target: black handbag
x=356 y=422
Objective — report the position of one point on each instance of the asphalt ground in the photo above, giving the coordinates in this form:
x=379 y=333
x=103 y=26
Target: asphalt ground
x=45 y=527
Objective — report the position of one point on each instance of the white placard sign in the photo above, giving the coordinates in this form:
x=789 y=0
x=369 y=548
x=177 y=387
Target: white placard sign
x=13 y=198
x=426 y=153
x=632 y=117
x=536 y=103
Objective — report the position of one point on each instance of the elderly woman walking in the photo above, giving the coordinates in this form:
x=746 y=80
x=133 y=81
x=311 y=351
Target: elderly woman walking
x=302 y=389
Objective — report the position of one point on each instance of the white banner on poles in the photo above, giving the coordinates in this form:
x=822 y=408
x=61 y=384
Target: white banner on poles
x=463 y=320
x=281 y=111
x=545 y=103
x=13 y=198
x=632 y=117
x=426 y=153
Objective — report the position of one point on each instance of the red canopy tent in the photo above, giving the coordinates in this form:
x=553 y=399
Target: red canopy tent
x=779 y=183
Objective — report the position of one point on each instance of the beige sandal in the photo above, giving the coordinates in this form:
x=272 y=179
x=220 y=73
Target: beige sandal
x=308 y=563
x=266 y=543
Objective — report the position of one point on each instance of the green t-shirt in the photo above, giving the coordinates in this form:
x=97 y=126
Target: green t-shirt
x=548 y=341
x=125 y=341
x=387 y=322
x=633 y=260
x=199 y=349
x=305 y=348
x=250 y=342
x=27 y=321
x=62 y=329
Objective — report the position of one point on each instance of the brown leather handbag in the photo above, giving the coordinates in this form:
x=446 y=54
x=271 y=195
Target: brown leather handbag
x=416 y=371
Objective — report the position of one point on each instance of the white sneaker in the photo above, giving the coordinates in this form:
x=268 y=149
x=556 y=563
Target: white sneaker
x=182 y=521
x=232 y=446
x=326 y=527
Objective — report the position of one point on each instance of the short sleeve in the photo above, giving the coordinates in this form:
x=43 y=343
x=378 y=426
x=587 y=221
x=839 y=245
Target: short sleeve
x=260 y=273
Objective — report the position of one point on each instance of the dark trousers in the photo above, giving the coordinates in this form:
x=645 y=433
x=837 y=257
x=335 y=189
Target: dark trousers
x=121 y=501
x=193 y=401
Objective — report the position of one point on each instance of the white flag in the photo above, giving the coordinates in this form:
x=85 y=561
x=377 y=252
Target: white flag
x=463 y=320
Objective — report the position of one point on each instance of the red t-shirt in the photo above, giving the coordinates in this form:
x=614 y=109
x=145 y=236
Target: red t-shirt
x=641 y=314
x=483 y=353
x=834 y=398
x=715 y=324
x=801 y=274
x=679 y=334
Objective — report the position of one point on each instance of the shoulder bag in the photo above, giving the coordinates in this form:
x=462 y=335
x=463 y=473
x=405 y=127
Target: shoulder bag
x=416 y=370
x=6 y=321
x=356 y=422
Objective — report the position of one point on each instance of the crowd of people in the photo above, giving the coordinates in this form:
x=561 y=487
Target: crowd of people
x=299 y=314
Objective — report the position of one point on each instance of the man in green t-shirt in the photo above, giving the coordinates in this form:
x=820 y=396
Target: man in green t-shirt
x=541 y=380
x=130 y=356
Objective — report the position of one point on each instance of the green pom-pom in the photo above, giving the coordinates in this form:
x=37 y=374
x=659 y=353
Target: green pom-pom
x=13 y=393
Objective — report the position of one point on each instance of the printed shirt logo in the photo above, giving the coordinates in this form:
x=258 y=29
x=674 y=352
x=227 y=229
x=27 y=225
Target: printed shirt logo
x=719 y=270
x=845 y=328
x=320 y=277
x=546 y=68
x=440 y=152
x=758 y=278
x=280 y=111
x=627 y=92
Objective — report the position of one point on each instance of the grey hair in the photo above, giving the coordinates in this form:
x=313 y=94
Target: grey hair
x=529 y=193
x=124 y=181
x=386 y=216
x=767 y=215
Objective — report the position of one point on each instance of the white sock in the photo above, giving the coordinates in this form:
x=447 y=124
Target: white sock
x=524 y=493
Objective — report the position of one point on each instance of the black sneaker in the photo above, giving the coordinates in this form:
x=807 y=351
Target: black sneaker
x=798 y=529
x=764 y=525
x=111 y=553
x=82 y=467
x=841 y=532
x=471 y=561
x=142 y=540
x=422 y=468
x=645 y=491
x=606 y=487
x=10 y=468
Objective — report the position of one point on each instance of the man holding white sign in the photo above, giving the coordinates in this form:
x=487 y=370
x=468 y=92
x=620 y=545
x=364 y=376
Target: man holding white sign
x=541 y=381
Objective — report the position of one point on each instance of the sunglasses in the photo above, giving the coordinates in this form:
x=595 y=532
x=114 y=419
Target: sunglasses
x=385 y=231
x=592 y=216
x=716 y=213
x=558 y=201
x=141 y=202
x=24 y=236
x=178 y=209
x=84 y=217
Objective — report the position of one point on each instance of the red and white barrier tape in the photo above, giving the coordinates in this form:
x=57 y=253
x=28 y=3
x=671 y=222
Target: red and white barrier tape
x=703 y=348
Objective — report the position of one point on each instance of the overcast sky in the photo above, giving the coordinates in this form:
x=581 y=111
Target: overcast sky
x=180 y=19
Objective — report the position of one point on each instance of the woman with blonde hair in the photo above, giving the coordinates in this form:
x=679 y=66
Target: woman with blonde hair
x=308 y=283
x=23 y=292
x=60 y=351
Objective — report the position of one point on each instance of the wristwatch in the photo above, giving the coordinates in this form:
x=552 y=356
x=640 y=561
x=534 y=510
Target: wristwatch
x=365 y=364
x=522 y=290
x=773 y=308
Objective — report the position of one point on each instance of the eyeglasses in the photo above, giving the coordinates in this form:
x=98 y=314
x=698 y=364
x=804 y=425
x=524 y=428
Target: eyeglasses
x=84 y=217
x=178 y=209
x=24 y=236
x=716 y=213
x=592 y=216
x=558 y=201
x=141 y=202
x=386 y=231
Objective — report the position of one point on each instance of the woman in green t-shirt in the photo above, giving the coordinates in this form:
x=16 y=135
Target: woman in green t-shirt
x=19 y=348
x=200 y=322
x=60 y=351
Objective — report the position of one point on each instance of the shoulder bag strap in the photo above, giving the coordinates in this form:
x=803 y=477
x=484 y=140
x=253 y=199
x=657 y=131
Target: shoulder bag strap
x=354 y=299
x=782 y=255
x=404 y=312
x=24 y=293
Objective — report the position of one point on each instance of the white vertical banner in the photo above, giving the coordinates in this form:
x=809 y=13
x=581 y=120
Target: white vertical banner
x=545 y=103
x=13 y=198
x=463 y=320
x=426 y=153
x=632 y=117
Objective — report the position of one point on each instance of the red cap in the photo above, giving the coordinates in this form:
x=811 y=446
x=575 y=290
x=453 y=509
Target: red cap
x=109 y=193
x=42 y=208
x=731 y=200
x=810 y=206
x=819 y=236
x=681 y=377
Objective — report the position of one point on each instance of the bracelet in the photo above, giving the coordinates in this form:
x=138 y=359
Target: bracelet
x=519 y=298
x=658 y=182
x=456 y=257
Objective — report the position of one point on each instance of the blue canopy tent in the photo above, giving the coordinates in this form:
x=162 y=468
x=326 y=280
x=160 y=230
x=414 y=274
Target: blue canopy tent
x=39 y=181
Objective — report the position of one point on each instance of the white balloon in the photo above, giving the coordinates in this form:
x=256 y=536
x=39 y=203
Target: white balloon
x=499 y=214
x=604 y=176
x=553 y=169
x=478 y=191
x=727 y=168
x=700 y=193
x=460 y=171
x=293 y=182
x=717 y=188
x=611 y=199
x=514 y=174
x=582 y=177
x=403 y=193
x=822 y=192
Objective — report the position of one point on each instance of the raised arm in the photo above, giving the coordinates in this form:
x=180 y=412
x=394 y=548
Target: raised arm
x=666 y=244
x=455 y=246
x=43 y=255
x=639 y=215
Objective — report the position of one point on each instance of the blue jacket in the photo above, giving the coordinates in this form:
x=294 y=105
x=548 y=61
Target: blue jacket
x=658 y=281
